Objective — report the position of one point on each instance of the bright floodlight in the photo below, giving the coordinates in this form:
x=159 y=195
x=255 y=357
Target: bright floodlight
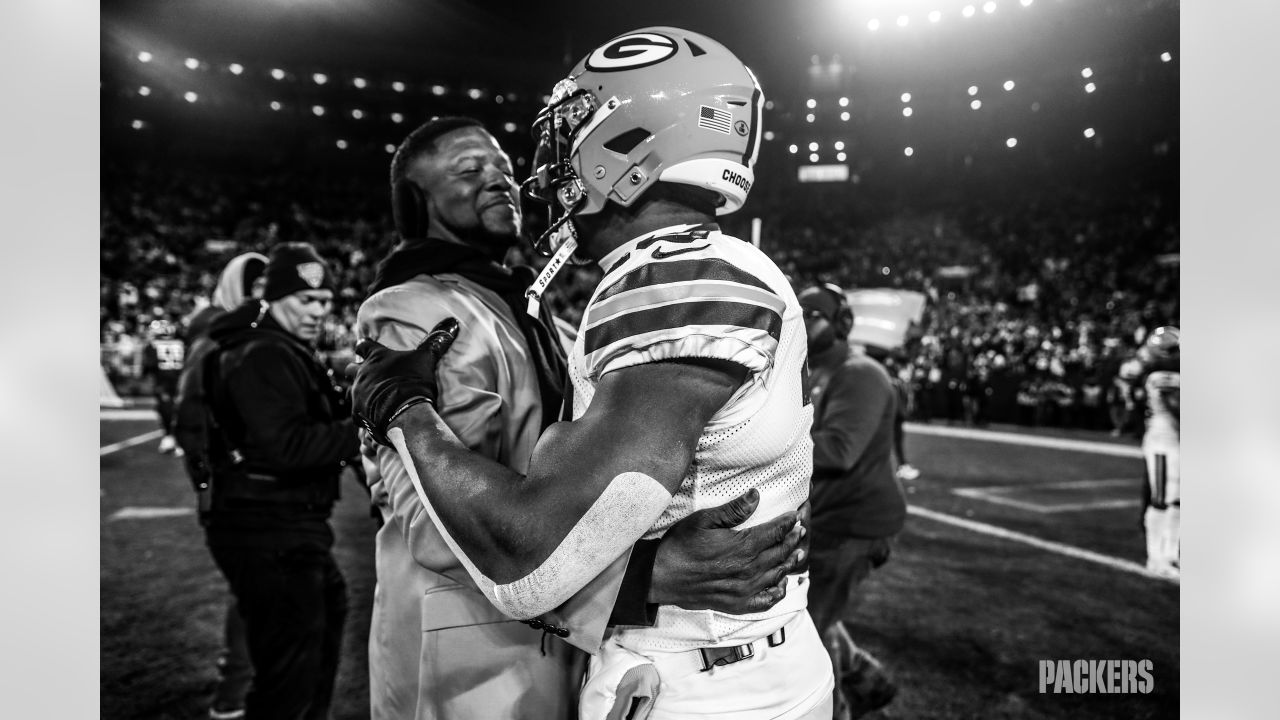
x=844 y=116
x=1088 y=132
x=397 y=86
x=840 y=157
x=844 y=102
x=975 y=104
x=768 y=104
x=190 y=97
x=968 y=11
x=1008 y=85
x=1086 y=73
x=144 y=56
x=839 y=144
x=320 y=78
x=397 y=118
x=973 y=90
x=906 y=112
x=474 y=93
x=360 y=83
x=873 y=25
x=277 y=73
x=811 y=103
x=235 y=68
x=391 y=149
x=935 y=16
x=792 y=149
x=809 y=117
x=1011 y=142
x=813 y=146
x=988 y=7
x=437 y=90
x=906 y=97
x=509 y=127
x=318 y=110
x=909 y=151
x=357 y=114
x=275 y=105
x=342 y=144
x=138 y=124
x=144 y=91
x=191 y=63
x=1090 y=87
x=1165 y=57
x=813 y=157
x=903 y=20
x=1027 y=3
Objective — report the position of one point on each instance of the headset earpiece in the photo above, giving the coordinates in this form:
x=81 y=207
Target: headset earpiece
x=409 y=209
x=844 y=313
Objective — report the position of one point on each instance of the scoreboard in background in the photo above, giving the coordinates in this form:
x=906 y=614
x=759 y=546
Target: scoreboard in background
x=882 y=316
x=823 y=173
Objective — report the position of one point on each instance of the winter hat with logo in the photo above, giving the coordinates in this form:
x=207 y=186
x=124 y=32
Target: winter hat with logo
x=294 y=267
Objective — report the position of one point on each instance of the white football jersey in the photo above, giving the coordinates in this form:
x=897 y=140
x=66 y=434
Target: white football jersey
x=1159 y=384
x=690 y=291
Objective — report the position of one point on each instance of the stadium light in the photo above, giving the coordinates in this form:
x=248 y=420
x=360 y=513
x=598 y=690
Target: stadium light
x=903 y=21
x=988 y=7
x=357 y=114
x=792 y=149
x=768 y=104
x=844 y=102
x=144 y=91
x=935 y=16
x=813 y=157
x=973 y=90
x=437 y=90
x=908 y=151
x=906 y=112
x=277 y=73
x=397 y=86
x=809 y=117
x=906 y=97
x=1165 y=57
x=397 y=118
x=235 y=68
x=474 y=93
x=1086 y=73
x=342 y=144
x=391 y=149
x=884 y=270
x=360 y=83
x=191 y=63
x=844 y=116
x=190 y=97
x=811 y=103
x=1027 y=3
x=873 y=25
x=320 y=78
x=1011 y=142
x=841 y=157
x=813 y=146
x=509 y=127
x=768 y=135
x=318 y=110
x=275 y=105
x=138 y=124
x=839 y=144
x=1008 y=85
x=975 y=104
x=144 y=56
x=968 y=11
x=1088 y=132
x=499 y=99
x=1090 y=87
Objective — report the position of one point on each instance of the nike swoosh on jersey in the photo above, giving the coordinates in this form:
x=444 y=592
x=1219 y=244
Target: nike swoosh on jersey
x=658 y=253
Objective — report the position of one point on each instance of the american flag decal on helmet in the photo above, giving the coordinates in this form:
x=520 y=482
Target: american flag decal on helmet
x=714 y=119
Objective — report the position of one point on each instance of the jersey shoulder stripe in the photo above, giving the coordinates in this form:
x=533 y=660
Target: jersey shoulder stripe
x=681 y=315
x=672 y=271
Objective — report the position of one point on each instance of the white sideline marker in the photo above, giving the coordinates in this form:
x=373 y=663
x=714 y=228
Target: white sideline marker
x=135 y=440
x=1089 y=446
x=148 y=513
x=1053 y=547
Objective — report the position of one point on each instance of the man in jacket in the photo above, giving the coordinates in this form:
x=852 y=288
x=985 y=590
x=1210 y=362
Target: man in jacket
x=279 y=436
x=457 y=212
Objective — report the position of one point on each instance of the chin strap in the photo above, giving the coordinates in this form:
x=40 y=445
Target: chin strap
x=567 y=246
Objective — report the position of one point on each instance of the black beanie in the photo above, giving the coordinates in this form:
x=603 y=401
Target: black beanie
x=294 y=267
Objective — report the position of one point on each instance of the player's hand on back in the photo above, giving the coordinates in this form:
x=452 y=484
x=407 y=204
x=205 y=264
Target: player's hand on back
x=388 y=382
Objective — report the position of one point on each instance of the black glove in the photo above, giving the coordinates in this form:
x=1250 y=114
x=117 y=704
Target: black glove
x=388 y=382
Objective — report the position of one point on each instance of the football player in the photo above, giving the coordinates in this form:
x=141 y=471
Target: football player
x=162 y=362
x=1160 y=443
x=686 y=387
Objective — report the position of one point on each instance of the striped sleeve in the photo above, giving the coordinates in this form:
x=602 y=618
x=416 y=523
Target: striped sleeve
x=693 y=308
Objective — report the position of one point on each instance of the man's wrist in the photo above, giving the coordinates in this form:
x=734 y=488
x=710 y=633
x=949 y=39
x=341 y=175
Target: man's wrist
x=401 y=415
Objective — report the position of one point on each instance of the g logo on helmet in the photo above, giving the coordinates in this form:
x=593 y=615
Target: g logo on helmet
x=631 y=51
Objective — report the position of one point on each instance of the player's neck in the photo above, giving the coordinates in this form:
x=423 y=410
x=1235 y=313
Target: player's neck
x=617 y=226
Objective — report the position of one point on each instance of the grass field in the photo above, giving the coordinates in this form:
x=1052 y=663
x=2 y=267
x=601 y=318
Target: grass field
x=960 y=616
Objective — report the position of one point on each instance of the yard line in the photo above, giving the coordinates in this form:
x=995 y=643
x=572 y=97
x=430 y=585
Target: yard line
x=1090 y=446
x=127 y=414
x=986 y=495
x=1054 y=547
x=135 y=440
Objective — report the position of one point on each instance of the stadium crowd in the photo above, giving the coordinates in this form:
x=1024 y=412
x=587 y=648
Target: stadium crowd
x=1036 y=298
